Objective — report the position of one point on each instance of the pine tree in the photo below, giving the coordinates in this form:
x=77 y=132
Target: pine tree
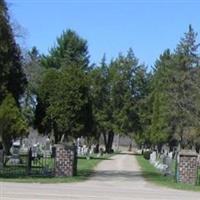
x=12 y=78
x=34 y=73
x=185 y=91
x=176 y=94
x=64 y=101
x=12 y=122
x=101 y=104
x=70 y=49
x=159 y=131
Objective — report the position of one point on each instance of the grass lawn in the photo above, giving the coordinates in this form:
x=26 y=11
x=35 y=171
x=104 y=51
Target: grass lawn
x=153 y=175
x=84 y=169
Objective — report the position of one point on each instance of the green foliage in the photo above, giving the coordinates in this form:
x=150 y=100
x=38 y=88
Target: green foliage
x=176 y=94
x=33 y=69
x=34 y=73
x=12 y=78
x=118 y=90
x=12 y=123
x=159 y=132
x=63 y=96
x=121 y=97
x=12 y=81
x=129 y=88
x=147 y=154
x=71 y=48
x=100 y=94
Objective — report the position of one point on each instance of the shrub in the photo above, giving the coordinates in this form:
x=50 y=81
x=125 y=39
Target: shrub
x=146 y=155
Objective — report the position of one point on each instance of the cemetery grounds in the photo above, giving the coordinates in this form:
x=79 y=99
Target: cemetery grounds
x=153 y=172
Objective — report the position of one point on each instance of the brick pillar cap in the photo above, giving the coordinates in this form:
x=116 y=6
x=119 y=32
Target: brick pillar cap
x=65 y=146
x=188 y=153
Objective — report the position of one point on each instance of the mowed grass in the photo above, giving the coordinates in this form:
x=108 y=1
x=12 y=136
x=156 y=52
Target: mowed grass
x=85 y=169
x=151 y=174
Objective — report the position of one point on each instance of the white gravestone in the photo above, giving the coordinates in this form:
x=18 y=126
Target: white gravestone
x=170 y=155
x=153 y=157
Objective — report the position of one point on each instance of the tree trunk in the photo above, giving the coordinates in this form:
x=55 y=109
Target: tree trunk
x=159 y=148
x=108 y=141
x=7 y=145
x=57 y=137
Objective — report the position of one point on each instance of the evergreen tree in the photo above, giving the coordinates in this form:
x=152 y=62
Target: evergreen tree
x=128 y=88
x=12 y=78
x=12 y=122
x=70 y=60
x=159 y=132
x=34 y=73
x=65 y=96
x=101 y=103
x=185 y=89
x=71 y=48
x=176 y=94
x=117 y=91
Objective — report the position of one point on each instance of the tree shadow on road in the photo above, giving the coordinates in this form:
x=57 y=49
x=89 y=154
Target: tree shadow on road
x=116 y=174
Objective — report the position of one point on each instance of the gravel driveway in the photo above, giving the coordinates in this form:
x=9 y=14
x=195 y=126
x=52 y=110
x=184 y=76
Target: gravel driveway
x=116 y=179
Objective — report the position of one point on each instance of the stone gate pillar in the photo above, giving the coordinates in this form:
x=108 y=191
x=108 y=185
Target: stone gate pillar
x=187 y=170
x=65 y=160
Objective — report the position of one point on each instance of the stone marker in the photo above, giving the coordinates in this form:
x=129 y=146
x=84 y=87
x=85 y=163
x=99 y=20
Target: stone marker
x=153 y=157
x=14 y=159
x=170 y=155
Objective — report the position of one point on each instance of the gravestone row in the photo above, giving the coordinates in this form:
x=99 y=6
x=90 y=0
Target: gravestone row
x=163 y=162
x=187 y=163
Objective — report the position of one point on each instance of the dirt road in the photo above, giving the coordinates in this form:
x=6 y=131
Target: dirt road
x=116 y=179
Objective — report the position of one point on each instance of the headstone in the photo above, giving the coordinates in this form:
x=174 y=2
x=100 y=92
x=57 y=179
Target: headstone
x=47 y=150
x=24 y=147
x=91 y=150
x=35 y=150
x=82 y=151
x=198 y=160
x=161 y=158
x=170 y=155
x=85 y=150
x=78 y=142
x=156 y=164
x=162 y=167
x=169 y=163
x=153 y=157
x=165 y=149
x=15 y=156
x=87 y=153
x=79 y=150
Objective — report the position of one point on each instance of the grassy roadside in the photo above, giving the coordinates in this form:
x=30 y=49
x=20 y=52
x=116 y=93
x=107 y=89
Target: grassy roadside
x=84 y=170
x=153 y=175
